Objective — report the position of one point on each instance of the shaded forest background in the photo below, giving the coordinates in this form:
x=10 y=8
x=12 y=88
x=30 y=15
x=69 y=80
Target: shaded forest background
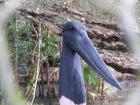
x=35 y=41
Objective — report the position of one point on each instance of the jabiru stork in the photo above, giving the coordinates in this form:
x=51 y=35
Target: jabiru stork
x=76 y=44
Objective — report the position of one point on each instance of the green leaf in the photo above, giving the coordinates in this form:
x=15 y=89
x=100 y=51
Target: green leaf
x=93 y=78
x=86 y=73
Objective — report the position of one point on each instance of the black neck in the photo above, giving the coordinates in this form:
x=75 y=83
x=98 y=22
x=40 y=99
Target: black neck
x=71 y=83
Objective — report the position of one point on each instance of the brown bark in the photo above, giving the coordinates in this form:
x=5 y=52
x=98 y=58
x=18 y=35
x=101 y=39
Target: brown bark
x=122 y=62
x=115 y=46
x=108 y=40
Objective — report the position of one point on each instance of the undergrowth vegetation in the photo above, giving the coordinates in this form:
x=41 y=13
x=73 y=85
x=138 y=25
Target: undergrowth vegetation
x=22 y=39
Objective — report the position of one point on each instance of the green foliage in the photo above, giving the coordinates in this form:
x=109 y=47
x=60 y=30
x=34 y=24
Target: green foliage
x=94 y=85
x=89 y=76
x=20 y=42
x=52 y=45
x=23 y=46
x=23 y=40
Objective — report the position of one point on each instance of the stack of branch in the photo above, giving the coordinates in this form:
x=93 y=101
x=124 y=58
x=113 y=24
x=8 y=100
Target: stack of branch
x=107 y=37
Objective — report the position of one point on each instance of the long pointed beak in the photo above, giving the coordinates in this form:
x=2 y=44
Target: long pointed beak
x=86 y=50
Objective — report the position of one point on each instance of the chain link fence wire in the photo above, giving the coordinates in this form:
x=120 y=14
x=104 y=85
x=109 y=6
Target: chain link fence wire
x=125 y=13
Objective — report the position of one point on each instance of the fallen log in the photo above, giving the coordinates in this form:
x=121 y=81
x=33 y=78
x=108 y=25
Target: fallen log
x=122 y=62
x=47 y=18
x=118 y=58
x=115 y=46
x=103 y=41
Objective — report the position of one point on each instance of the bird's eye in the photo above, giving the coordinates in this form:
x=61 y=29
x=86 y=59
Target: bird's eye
x=71 y=28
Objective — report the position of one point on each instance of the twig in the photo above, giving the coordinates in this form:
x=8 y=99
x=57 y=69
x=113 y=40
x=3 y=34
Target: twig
x=38 y=64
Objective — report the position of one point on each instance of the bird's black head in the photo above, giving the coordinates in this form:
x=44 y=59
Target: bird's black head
x=73 y=33
x=73 y=26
